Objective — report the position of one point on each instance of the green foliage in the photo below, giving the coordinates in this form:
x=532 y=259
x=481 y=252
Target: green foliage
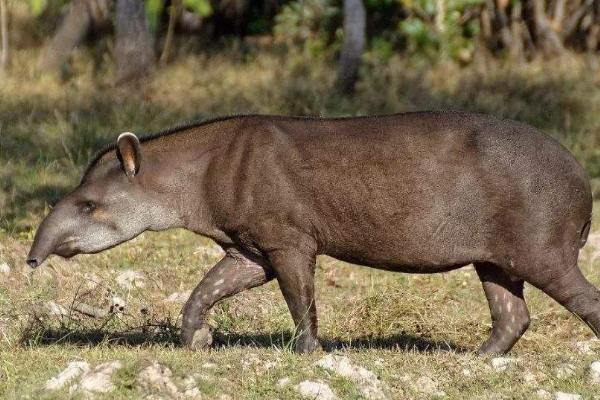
x=441 y=28
x=37 y=6
x=200 y=7
x=309 y=23
x=154 y=9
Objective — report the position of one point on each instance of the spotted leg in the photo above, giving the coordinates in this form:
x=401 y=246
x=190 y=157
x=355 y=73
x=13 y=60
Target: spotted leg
x=295 y=274
x=233 y=274
x=510 y=317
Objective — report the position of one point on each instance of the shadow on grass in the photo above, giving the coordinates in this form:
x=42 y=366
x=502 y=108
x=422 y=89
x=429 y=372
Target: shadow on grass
x=168 y=336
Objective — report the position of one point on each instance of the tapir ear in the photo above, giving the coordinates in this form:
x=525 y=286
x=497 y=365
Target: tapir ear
x=129 y=153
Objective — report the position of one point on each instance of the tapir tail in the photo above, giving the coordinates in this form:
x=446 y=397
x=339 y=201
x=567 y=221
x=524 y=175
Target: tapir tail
x=585 y=232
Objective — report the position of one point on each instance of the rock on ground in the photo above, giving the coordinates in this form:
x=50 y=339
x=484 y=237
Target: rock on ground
x=4 y=268
x=99 y=379
x=565 y=371
x=543 y=394
x=179 y=297
x=588 y=347
x=567 y=396
x=131 y=279
x=595 y=372
x=367 y=381
x=68 y=375
x=159 y=378
x=316 y=390
x=501 y=364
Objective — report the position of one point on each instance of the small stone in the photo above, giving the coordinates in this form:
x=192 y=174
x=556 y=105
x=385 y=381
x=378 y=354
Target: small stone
x=501 y=364
x=316 y=390
x=466 y=372
x=595 y=372
x=543 y=394
x=426 y=385
x=209 y=365
x=68 y=375
x=131 y=279
x=283 y=382
x=178 y=297
x=565 y=371
x=529 y=377
x=587 y=347
x=4 y=268
x=210 y=251
x=157 y=377
x=98 y=380
x=368 y=382
x=567 y=396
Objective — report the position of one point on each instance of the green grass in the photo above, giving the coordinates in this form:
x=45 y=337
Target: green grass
x=399 y=326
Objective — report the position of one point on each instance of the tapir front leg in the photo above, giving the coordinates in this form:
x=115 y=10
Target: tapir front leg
x=295 y=273
x=233 y=274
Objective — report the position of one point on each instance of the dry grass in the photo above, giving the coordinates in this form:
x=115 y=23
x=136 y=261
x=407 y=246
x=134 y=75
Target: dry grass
x=401 y=327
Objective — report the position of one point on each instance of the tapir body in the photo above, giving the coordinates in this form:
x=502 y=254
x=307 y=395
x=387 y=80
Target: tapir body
x=420 y=192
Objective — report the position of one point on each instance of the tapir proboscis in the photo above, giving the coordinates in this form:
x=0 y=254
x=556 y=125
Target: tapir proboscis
x=420 y=192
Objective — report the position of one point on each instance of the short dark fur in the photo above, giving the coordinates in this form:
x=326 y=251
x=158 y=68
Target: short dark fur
x=422 y=192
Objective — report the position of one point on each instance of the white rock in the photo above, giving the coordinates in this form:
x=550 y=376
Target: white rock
x=501 y=364
x=466 y=372
x=68 y=375
x=131 y=279
x=587 y=347
x=190 y=387
x=316 y=390
x=283 y=382
x=157 y=377
x=98 y=380
x=4 y=268
x=209 y=365
x=529 y=377
x=567 y=396
x=565 y=371
x=367 y=381
x=543 y=394
x=179 y=297
x=426 y=385
x=595 y=372
x=56 y=309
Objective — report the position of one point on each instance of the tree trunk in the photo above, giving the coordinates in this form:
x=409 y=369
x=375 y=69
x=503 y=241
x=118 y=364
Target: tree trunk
x=353 y=46
x=74 y=28
x=4 y=33
x=134 y=49
x=548 y=39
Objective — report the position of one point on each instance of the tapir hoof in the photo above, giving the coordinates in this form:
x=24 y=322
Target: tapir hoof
x=307 y=346
x=201 y=339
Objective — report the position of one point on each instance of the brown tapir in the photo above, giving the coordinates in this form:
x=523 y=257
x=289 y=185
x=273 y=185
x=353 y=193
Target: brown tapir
x=419 y=192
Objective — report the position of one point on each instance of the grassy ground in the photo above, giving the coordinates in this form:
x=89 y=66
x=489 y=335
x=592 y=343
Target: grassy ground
x=401 y=327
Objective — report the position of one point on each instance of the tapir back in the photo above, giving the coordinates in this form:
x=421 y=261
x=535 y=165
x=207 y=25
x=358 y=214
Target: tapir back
x=418 y=192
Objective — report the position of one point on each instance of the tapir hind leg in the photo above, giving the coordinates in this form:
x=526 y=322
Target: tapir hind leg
x=510 y=317
x=568 y=287
x=233 y=274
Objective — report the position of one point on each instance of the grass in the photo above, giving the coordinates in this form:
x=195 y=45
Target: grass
x=401 y=327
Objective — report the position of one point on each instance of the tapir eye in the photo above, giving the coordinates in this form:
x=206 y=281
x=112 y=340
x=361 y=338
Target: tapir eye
x=88 y=207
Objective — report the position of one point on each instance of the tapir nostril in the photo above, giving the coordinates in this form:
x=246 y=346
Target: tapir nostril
x=32 y=262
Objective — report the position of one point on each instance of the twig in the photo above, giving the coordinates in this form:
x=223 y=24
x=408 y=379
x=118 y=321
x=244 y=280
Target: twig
x=4 y=30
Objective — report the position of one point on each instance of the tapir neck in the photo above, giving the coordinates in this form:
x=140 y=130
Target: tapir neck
x=177 y=168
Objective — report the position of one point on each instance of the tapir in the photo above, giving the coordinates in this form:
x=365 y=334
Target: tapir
x=419 y=192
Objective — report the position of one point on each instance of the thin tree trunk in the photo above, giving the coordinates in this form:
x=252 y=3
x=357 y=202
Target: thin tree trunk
x=549 y=40
x=72 y=31
x=353 y=46
x=134 y=50
x=4 y=32
x=173 y=16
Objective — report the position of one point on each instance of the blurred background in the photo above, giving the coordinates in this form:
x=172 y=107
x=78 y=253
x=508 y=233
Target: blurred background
x=75 y=73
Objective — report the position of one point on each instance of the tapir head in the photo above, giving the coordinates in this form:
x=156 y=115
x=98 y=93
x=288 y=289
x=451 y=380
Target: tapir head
x=114 y=203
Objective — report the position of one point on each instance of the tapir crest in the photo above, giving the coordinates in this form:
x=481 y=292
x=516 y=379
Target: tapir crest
x=420 y=192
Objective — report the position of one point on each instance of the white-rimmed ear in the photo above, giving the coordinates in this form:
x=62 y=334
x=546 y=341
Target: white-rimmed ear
x=129 y=153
